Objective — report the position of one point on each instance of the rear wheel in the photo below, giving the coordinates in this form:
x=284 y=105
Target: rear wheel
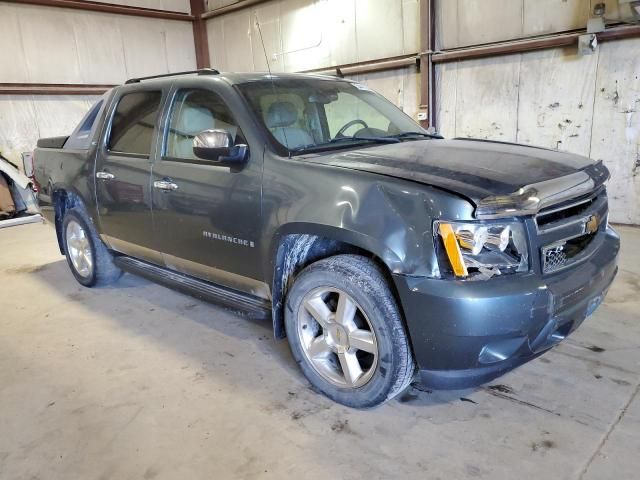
x=89 y=259
x=346 y=332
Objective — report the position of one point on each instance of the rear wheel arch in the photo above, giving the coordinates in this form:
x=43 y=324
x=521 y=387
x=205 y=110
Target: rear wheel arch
x=62 y=201
x=293 y=252
x=90 y=261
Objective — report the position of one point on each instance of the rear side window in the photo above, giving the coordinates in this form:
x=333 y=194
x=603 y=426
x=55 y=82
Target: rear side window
x=134 y=122
x=81 y=137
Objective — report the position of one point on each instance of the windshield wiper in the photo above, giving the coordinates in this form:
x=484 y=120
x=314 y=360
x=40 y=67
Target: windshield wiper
x=367 y=139
x=333 y=141
x=418 y=134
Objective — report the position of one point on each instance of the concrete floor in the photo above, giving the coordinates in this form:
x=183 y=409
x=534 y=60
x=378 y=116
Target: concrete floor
x=137 y=381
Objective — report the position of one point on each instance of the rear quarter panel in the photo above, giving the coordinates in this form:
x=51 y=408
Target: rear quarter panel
x=68 y=170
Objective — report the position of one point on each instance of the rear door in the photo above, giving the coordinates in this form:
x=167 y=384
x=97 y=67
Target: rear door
x=208 y=221
x=123 y=172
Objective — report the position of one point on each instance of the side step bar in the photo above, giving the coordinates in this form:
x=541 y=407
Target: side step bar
x=253 y=306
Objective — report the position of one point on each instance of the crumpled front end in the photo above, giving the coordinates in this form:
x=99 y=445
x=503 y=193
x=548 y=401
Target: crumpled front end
x=465 y=332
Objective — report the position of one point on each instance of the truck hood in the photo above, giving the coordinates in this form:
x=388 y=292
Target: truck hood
x=476 y=169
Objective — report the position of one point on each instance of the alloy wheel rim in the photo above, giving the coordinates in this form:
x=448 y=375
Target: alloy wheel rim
x=337 y=337
x=79 y=249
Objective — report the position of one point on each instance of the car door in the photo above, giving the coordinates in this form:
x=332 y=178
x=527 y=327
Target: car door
x=207 y=216
x=123 y=172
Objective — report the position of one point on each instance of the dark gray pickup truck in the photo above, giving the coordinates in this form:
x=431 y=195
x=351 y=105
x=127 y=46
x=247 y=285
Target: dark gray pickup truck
x=382 y=252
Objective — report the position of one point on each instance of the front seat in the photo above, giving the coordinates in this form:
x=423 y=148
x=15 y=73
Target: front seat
x=280 y=118
x=192 y=121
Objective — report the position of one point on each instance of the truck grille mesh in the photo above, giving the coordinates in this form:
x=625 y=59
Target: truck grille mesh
x=553 y=258
x=564 y=230
x=559 y=255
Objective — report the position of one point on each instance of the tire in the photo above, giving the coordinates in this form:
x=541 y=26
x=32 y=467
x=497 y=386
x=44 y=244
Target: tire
x=361 y=321
x=102 y=270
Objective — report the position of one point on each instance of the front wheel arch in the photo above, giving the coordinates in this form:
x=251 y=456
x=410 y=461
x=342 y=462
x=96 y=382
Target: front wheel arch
x=297 y=251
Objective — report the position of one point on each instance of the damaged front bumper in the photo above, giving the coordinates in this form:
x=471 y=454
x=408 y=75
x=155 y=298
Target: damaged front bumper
x=466 y=333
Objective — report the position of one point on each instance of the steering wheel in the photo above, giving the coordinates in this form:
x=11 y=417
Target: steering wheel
x=350 y=124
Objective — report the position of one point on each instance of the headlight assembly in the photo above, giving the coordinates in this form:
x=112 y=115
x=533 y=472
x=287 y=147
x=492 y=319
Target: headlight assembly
x=480 y=251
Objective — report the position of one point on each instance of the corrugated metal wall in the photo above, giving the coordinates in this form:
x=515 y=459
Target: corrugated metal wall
x=310 y=34
x=588 y=105
x=304 y=35
x=54 y=45
x=462 y=23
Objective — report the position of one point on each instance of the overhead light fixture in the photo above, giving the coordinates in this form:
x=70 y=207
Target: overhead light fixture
x=599 y=9
x=596 y=23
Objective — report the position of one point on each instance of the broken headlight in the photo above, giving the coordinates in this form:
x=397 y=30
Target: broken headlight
x=480 y=251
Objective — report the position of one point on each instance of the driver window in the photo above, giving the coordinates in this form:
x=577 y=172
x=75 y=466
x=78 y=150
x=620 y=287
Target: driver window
x=347 y=108
x=192 y=112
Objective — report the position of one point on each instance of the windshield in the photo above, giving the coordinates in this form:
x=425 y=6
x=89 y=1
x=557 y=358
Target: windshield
x=311 y=114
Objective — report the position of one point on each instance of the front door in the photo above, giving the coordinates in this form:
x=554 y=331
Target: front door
x=123 y=173
x=207 y=216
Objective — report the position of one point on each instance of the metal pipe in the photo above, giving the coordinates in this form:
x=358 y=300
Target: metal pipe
x=380 y=65
x=242 y=4
x=52 y=89
x=108 y=8
x=531 y=44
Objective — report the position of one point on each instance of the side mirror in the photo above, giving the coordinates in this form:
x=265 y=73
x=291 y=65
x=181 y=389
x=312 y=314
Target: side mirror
x=217 y=146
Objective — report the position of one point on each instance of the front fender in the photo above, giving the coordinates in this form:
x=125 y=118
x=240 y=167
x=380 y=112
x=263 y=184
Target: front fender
x=390 y=218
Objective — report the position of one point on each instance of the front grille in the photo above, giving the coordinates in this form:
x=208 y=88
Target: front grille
x=568 y=210
x=553 y=258
x=566 y=231
x=559 y=255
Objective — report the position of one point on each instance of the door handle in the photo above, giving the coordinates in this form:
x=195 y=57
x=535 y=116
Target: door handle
x=105 y=176
x=167 y=185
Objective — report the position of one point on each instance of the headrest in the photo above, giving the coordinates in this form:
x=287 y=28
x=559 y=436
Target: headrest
x=281 y=114
x=194 y=120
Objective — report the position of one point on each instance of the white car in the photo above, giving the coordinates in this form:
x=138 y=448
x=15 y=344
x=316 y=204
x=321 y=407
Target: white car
x=24 y=208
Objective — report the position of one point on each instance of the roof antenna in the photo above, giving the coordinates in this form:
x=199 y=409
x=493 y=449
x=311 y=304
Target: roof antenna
x=264 y=49
x=273 y=86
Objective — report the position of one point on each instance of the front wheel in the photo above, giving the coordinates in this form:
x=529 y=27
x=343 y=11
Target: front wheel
x=346 y=332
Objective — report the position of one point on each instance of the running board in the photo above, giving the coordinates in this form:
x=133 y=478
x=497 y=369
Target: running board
x=253 y=306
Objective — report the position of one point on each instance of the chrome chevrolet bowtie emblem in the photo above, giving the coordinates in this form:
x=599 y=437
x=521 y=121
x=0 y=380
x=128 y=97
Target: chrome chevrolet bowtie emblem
x=592 y=224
